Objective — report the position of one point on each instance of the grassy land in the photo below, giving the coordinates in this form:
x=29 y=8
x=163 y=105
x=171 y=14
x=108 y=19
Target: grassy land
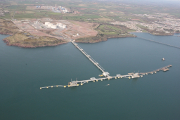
x=7 y=16
x=24 y=40
x=30 y=14
x=17 y=7
x=106 y=31
x=90 y=10
x=7 y=27
x=81 y=18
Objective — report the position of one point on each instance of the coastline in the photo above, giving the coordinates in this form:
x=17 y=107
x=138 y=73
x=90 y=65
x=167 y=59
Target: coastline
x=156 y=34
x=19 y=38
x=98 y=39
x=22 y=39
x=26 y=40
x=78 y=41
x=29 y=46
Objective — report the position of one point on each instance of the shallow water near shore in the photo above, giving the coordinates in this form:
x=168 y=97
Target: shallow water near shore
x=24 y=70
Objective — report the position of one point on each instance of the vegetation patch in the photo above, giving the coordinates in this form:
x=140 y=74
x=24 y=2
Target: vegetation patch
x=106 y=31
x=26 y=40
x=7 y=27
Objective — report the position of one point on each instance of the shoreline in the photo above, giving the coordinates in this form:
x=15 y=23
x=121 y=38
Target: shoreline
x=26 y=40
x=29 y=46
x=106 y=39
x=166 y=34
x=96 y=41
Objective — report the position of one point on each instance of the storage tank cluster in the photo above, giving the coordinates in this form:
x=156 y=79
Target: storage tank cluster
x=55 y=26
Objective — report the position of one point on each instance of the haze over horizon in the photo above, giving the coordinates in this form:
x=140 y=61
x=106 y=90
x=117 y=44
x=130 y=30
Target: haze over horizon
x=153 y=2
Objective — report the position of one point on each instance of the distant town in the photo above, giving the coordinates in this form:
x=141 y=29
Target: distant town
x=58 y=9
x=164 y=23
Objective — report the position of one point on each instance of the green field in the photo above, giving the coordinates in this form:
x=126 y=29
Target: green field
x=81 y=18
x=107 y=29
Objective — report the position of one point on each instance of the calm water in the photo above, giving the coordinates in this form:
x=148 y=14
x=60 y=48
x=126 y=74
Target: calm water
x=153 y=97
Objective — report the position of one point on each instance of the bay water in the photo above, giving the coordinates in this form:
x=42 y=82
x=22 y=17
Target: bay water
x=153 y=97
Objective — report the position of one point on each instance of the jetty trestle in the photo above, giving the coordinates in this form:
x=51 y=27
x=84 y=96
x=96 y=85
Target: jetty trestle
x=105 y=74
x=91 y=59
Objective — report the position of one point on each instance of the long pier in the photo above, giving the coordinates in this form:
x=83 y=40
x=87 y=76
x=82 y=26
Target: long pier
x=90 y=58
x=159 y=42
x=105 y=74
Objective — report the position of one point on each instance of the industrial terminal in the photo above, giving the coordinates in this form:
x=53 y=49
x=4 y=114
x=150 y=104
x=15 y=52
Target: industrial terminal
x=105 y=75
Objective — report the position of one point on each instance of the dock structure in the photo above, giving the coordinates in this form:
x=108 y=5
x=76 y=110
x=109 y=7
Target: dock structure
x=52 y=86
x=164 y=69
x=118 y=76
x=82 y=82
x=105 y=74
x=91 y=59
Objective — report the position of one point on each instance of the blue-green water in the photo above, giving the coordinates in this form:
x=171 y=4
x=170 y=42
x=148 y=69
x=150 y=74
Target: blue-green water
x=153 y=97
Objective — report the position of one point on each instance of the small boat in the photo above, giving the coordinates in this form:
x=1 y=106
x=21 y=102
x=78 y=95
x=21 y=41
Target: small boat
x=107 y=84
x=163 y=59
x=100 y=75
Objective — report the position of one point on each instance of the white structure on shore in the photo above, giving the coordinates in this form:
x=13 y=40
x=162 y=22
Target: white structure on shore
x=61 y=25
x=55 y=26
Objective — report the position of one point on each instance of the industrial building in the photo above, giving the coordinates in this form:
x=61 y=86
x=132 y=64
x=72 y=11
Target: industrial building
x=55 y=26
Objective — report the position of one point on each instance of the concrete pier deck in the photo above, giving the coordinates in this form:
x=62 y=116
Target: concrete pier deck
x=118 y=76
